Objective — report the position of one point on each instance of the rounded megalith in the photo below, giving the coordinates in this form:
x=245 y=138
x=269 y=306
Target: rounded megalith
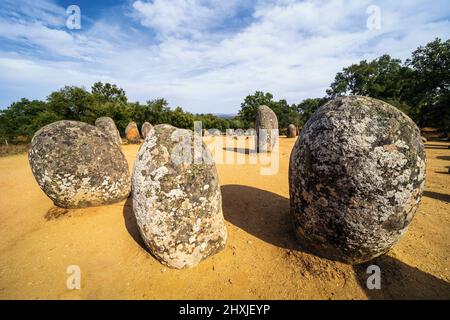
x=176 y=198
x=107 y=125
x=266 y=126
x=132 y=133
x=77 y=165
x=145 y=129
x=291 y=131
x=356 y=177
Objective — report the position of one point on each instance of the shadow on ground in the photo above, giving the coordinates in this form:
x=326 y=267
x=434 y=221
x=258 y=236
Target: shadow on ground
x=131 y=223
x=239 y=150
x=435 y=146
x=261 y=213
x=401 y=281
x=436 y=195
x=443 y=158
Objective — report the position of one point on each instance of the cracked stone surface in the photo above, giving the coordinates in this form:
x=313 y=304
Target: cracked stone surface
x=177 y=204
x=291 y=131
x=266 y=126
x=77 y=165
x=356 y=177
x=107 y=125
x=132 y=133
x=145 y=129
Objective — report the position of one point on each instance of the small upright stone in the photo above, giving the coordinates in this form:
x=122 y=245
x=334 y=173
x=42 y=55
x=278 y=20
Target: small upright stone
x=77 y=165
x=176 y=198
x=266 y=126
x=132 y=133
x=107 y=125
x=145 y=129
x=291 y=131
x=356 y=177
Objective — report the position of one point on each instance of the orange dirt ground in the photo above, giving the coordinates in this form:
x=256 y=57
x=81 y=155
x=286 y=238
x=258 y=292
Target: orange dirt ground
x=262 y=259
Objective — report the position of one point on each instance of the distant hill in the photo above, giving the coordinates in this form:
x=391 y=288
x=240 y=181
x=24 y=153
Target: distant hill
x=225 y=115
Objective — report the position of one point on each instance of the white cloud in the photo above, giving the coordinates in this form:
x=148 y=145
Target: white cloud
x=290 y=48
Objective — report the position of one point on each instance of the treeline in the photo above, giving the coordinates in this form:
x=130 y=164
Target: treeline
x=23 y=118
x=420 y=87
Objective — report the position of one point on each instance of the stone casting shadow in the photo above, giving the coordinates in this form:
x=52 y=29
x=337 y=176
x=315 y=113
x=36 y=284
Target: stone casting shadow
x=401 y=281
x=435 y=146
x=131 y=223
x=261 y=213
x=239 y=150
x=438 y=196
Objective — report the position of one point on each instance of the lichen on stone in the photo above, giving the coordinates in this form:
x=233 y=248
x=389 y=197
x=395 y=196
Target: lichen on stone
x=369 y=161
x=177 y=204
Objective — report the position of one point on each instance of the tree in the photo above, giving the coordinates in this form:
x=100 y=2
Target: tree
x=23 y=118
x=307 y=108
x=380 y=78
x=430 y=87
x=286 y=113
x=419 y=87
x=249 y=107
x=108 y=93
x=70 y=102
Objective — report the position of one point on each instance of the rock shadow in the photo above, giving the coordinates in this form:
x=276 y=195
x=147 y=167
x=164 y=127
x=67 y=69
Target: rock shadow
x=261 y=213
x=240 y=150
x=436 y=195
x=131 y=223
x=56 y=212
x=401 y=281
x=435 y=146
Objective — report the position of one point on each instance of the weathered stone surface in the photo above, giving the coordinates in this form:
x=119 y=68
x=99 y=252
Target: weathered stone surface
x=250 y=132
x=145 y=129
x=78 y=165
x=266 y=126
x=177 y=203
x=214 y=132
x=132 y=133
x=291 y=131
x=356 y=177
x=107 y=125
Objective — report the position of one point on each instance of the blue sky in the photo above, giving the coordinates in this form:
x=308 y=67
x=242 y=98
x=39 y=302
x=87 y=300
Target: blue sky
x=205 y=56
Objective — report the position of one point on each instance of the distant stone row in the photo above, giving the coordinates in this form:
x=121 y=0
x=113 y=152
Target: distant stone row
x=356 y=177
x=107 y=125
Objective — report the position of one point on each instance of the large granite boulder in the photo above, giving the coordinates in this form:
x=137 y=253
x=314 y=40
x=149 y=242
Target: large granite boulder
x=77 y=165
x=291 y=131
x=266 y=126
x=107 y=125
x=145 y=129
x=356 y=177
x=176 y=198
x=132 y=133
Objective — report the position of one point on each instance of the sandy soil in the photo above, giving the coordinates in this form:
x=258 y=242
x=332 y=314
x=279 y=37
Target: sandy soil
x=262 y=260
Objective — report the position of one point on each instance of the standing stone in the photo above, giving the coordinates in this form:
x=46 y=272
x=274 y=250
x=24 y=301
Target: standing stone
x=356 y=177
x=77 y=165
x=266 y=126
x=250 y=132
x=107 y=125
x=291 y=131
x=145 y=129
x=215 y=132
x=176 y=198
x=132 y=133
